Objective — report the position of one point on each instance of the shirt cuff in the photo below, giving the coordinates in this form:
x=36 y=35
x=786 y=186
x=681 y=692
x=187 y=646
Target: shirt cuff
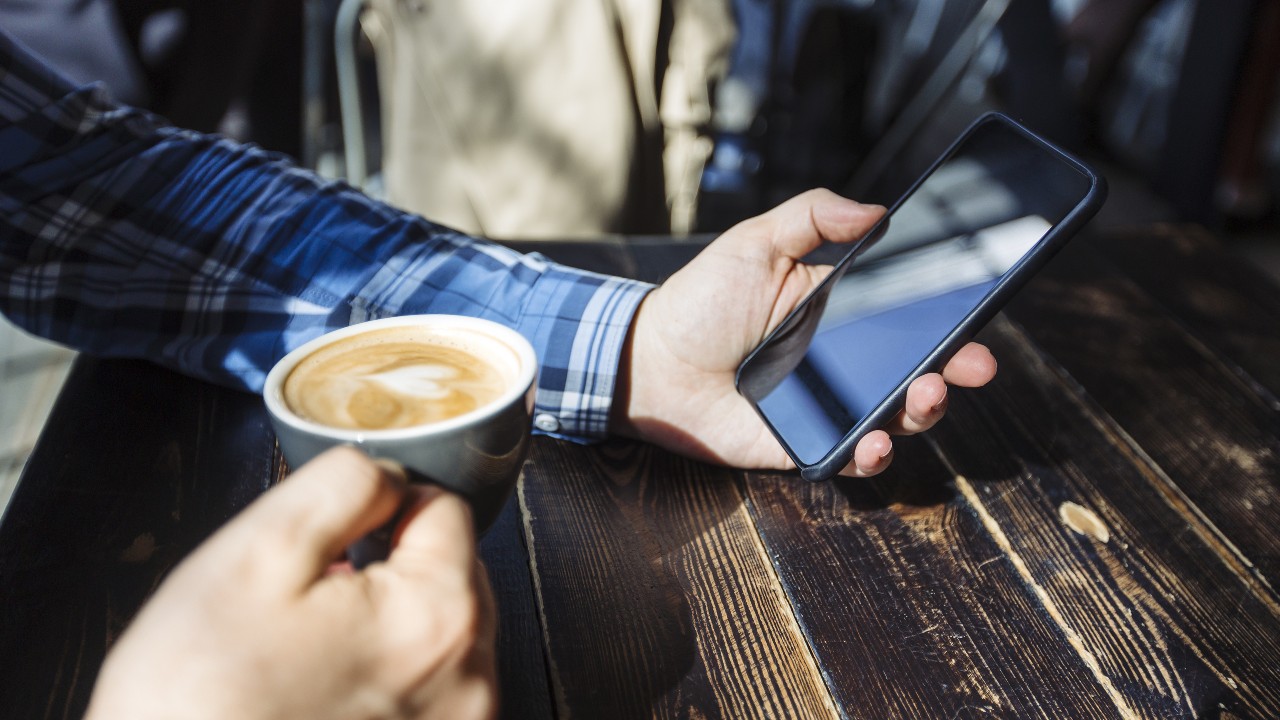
x=579 y=338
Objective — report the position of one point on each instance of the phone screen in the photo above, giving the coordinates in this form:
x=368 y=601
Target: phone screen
x=891 y=310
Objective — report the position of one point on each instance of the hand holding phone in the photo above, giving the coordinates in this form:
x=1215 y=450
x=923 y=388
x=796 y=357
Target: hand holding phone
x=988 y=214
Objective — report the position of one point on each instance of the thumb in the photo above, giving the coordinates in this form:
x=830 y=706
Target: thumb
x=804 y=222
x=436 y=530
x=305 y=523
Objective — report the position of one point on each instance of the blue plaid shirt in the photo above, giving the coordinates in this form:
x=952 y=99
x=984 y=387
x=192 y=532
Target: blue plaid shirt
x=121 y=236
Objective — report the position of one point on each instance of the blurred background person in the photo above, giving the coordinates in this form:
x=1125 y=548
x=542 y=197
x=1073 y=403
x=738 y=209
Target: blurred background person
x=548 y=119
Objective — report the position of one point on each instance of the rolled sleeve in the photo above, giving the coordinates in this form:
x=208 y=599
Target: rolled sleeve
x=122 y=236
x=579 y=325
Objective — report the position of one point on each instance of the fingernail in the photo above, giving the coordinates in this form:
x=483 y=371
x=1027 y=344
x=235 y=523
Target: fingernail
x=879 y=463
x=941 y=404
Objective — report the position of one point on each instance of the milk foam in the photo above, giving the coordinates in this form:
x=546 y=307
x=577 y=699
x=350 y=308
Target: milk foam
x=399 y=377
x=427 y=381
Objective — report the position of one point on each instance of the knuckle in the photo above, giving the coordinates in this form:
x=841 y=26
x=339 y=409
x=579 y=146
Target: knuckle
x=362 y=478
x=452 y=618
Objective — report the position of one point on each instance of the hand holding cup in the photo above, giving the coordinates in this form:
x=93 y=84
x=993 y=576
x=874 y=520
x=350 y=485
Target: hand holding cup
x=447 y=397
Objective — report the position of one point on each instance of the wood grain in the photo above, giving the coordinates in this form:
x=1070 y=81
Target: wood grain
x=912 y=608
x=1211 y=428
x=523 y=684
x=1173 y=622
x=608 y=255
x=137 y=467
x=1230 y=306
x=648 y=258
x=1090 y=537
x=132 y=472
x=656 y=596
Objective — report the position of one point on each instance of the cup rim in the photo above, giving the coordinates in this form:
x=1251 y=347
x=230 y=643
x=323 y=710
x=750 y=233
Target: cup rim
x=273 y=387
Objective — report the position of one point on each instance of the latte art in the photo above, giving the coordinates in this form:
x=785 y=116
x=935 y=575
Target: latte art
x=387 y=379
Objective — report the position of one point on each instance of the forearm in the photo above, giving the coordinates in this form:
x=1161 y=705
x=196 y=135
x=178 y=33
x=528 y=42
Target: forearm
x=124 y=237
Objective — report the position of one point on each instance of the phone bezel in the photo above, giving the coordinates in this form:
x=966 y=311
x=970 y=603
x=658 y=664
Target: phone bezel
x=839 y=456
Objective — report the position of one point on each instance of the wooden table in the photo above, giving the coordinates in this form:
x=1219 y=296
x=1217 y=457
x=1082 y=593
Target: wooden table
x=1094 y=536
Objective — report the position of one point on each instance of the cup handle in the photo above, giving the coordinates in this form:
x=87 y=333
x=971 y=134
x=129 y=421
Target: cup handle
x=376 y=546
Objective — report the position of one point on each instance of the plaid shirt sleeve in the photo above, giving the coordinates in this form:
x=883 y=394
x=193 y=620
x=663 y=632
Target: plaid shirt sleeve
x=120 y=236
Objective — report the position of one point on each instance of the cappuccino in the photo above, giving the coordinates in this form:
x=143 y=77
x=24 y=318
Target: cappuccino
x=399 y=377
x=448 y=397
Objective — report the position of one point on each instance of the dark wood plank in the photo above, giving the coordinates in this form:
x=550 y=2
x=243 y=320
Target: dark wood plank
x=136 y=466
x=1212 y=432
x=1231 y=306
x=791 y=510
x=912 y=608
x=656 y=596
x=649 y=258
x=608 y=255
x=1172 y=621
x=523 y=684
x=657 y=258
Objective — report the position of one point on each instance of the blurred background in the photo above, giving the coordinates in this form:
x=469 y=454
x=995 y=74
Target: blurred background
x=547 y=119
x=759 y=99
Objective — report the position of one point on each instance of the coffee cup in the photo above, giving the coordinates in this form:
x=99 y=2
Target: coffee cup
x=448 y=397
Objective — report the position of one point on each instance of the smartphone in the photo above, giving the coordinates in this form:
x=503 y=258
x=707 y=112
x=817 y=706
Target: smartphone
x=946 y=257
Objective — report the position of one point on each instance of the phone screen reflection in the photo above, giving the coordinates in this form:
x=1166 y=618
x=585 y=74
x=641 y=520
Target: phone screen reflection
x=945 y=248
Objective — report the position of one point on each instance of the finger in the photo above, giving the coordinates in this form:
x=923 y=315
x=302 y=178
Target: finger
x=972 y=366
x=871 y=456
x=303 y=525
x=804 y=222
x=476 y=688
x=925 y=405
x=436 y=530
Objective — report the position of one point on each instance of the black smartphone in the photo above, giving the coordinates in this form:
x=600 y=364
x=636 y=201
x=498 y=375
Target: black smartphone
x=972 y=230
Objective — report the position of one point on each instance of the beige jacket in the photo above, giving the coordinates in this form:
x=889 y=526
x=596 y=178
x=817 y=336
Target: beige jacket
x=528 y=119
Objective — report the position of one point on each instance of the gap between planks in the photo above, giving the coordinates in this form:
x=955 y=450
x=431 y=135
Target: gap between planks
x=526 y=522
x=1208 y=532
x=1002 y=542
x=810 y=659
x=1175 y=497
x=793 y=622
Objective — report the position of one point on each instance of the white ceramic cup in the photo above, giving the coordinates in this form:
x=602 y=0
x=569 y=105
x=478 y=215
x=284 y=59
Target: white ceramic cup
x=477 y=454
